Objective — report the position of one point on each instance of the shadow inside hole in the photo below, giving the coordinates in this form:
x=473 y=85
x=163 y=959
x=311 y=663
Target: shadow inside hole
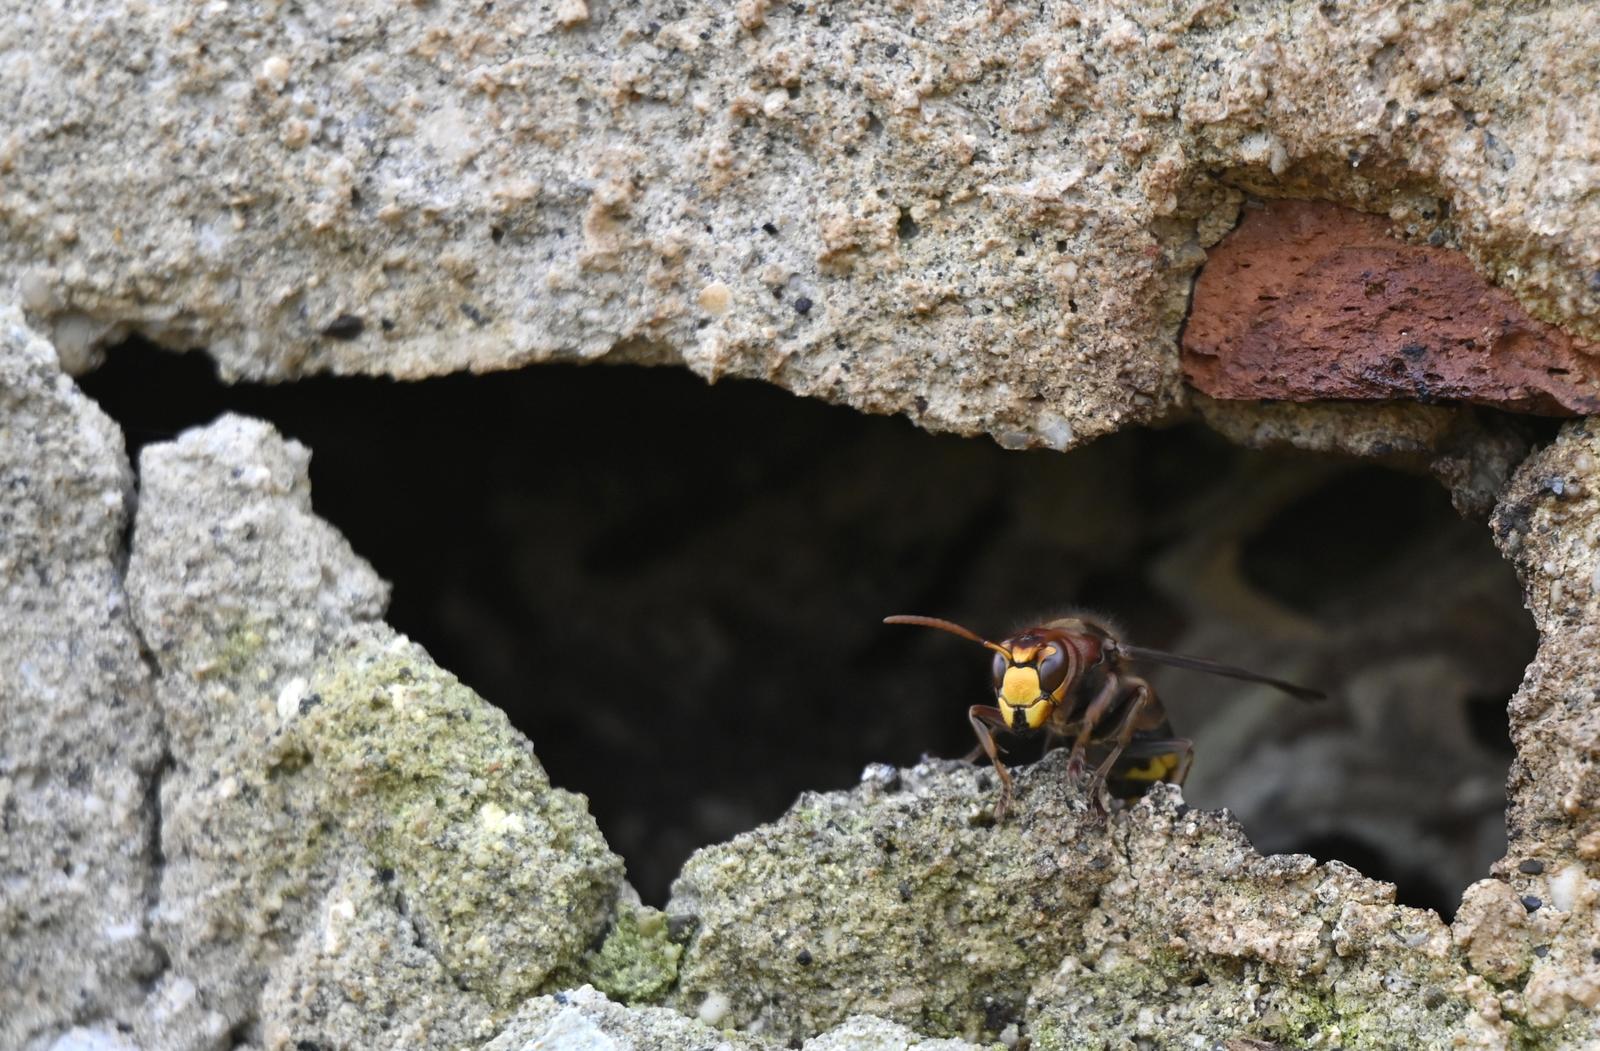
x=1486 y=719
x=1358 y=525
x=676 y=591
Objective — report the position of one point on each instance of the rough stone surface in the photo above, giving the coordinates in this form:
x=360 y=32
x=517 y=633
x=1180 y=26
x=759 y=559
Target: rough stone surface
x=1472 y=454
x=901 y=900
x=865 y=1033
x=360 y=976
x=983 y=215
x=334 y=799
x=1549 y=526
x=79 y=738
x=1308 y=301
x=584 y=1019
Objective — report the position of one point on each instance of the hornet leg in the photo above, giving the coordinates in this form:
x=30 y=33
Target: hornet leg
x=1091 y=719
x=982 y=716
x=1144 y=713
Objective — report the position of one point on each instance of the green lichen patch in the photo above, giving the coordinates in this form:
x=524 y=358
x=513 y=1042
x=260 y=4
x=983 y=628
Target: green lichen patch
x=1100 y=1010
x=507 y=879
x=1199 y=941
x=902 y=900
x=638 y=961
x=1158 y=927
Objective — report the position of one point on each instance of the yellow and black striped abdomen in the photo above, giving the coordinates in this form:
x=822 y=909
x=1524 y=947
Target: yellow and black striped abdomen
x=1150 y=757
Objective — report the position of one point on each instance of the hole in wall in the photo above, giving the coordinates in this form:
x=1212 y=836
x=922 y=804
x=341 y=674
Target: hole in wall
x=676 y=590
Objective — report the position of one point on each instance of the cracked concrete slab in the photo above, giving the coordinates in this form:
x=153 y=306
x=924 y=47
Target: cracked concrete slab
x=985 y=216
x=331 y=789
x=903 y=900
x=585 y=1020
x=82 y=739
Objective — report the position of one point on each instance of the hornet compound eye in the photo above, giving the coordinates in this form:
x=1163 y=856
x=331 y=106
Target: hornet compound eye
x=1052 y=669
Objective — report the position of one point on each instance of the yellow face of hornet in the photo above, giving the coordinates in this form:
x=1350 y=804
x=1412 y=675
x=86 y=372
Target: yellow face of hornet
x=1028 y=685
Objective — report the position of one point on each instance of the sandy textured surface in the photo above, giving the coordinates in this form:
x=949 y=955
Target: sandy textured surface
x=985 y=216
x=242 y=812
x=80 y=750
x=1307 y=301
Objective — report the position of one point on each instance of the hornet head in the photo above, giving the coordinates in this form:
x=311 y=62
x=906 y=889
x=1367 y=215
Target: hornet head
x=1032 y=671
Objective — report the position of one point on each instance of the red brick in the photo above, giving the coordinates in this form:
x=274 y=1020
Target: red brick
x=1309 y=301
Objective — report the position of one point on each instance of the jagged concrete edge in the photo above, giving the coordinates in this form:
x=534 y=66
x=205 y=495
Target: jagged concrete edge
x=588 y=105
x=98 y=450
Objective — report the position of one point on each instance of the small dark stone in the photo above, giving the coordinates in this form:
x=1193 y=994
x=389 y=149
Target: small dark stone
x=386 y=875
x=892 y=50
x=1541 y=951
x=770 y=229
x=997 y=1014
x=1531 y=867
x=309 y=702
x=387 y=323
x=803 y=957
x=1531 y=903
x=1181 y=809
x=473 y=313
x=802 y=305
x=345 y=326
x=921 y=403
x=561 y=998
